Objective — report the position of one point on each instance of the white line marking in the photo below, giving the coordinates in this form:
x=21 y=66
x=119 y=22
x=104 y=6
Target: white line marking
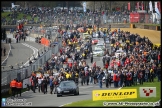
x=65 y=104
x=33 y=48
x=7 y=54
x=119 y=88
x=82 y=92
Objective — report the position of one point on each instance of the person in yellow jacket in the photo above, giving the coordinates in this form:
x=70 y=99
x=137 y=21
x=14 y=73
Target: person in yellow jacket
x=67 y=75
x=76 y=77
x=83 y=55
x=70 y=74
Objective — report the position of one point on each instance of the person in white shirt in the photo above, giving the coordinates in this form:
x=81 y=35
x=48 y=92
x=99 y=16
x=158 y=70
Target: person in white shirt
x=39 y=84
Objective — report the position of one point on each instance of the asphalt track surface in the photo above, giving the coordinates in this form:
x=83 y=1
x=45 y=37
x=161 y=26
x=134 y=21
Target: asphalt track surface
x=20 y=54
x=40 y=99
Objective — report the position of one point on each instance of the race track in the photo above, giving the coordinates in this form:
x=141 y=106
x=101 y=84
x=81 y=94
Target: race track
x=40 y=99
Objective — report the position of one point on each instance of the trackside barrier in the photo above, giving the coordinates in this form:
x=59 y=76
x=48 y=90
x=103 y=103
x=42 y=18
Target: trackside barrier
x=26 y=71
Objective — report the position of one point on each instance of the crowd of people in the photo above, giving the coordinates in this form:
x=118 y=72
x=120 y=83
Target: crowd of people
x=140 y=64
x=59 y=16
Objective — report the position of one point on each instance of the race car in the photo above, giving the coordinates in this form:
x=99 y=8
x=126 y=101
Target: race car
x=119 y=52
x=66 y=88
x=100 y=45
x=98 y=52
x=95 y=40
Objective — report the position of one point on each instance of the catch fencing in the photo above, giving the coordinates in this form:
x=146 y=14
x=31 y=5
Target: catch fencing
x=26 y=71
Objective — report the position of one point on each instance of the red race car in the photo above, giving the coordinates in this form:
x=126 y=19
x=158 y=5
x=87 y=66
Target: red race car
x=95 y=40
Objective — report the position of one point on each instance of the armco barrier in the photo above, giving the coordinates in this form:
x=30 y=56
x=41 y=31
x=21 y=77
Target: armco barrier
x=25 y=72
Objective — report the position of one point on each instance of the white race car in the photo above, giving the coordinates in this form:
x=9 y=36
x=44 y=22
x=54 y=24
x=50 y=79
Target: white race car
x=100 y=45
x=98 y=52
x=119 y=52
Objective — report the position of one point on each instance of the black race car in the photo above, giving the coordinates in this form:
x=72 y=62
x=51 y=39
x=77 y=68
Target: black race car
x=67 y=87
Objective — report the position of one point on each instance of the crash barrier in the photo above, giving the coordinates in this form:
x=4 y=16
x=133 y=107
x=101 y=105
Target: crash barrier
x=25 y=72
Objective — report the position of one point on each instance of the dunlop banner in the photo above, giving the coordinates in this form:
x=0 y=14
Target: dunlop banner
x=113 y=94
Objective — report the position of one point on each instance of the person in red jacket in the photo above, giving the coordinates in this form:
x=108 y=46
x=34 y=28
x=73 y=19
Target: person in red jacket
x=60 y=51
x=159 y=58
x=106 y=66
x=19 y=87
x=129 y=77
x=115 y=79
x=13 y=87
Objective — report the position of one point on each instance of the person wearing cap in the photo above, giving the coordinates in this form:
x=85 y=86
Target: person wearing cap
x=19 y=87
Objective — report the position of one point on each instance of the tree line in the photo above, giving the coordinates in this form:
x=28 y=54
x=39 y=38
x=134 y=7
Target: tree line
x=42 y=3
x=92 y=5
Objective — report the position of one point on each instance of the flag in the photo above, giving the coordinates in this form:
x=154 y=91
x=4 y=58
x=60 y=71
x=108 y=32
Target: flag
x=137 y=5
x=142 y=6
x=12 y=5
x=129 y=6
x=156 y=9
x=84 y=6
x=155 y=4
x=150 y=6
x=159 y=6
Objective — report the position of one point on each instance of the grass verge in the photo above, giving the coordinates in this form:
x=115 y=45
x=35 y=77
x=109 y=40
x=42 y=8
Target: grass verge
x=92 y=103
x=20 y=16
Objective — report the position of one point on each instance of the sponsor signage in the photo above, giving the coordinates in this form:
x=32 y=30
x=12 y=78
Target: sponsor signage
x=147 y=91
x=113 y=94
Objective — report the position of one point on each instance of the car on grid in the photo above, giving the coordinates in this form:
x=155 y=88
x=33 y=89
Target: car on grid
x=119 y=52
x=98 y=52
x=67 y=87
x=95 y=40
x=100 y=45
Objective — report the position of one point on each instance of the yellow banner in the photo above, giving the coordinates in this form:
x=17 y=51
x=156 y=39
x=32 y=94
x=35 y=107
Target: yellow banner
x=113 y=94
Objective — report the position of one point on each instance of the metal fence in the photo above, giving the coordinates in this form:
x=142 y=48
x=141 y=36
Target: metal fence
x=25 y=72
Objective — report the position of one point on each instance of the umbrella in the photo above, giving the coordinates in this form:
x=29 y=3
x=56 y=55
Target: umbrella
x=80 y=29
